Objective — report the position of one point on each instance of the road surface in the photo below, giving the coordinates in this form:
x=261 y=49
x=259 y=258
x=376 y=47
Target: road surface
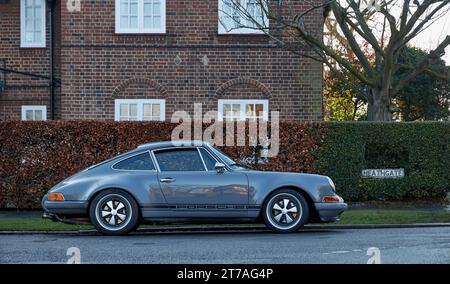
x=408 y=245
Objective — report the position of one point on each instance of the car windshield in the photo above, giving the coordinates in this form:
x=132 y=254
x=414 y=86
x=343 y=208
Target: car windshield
x=227 y=160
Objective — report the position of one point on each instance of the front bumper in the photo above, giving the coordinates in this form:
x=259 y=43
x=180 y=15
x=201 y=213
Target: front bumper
x=329 y=212
x=65 y=207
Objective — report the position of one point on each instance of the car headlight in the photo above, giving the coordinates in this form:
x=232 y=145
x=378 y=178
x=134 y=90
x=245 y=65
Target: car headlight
x=330 y=181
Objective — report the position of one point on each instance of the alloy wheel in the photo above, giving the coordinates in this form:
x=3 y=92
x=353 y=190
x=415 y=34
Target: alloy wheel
x=284 y=211
x=113 y=212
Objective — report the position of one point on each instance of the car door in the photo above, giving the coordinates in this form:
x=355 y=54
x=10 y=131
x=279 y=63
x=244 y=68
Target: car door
x=193 y=190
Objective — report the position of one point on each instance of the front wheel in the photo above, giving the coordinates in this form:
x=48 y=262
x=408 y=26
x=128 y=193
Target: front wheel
x=285 y=211
x=114 y=212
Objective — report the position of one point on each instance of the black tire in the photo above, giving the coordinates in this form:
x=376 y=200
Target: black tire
x=285 y=218
x=111 y=221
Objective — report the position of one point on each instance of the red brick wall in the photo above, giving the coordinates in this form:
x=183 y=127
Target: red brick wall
x=96 y=63
x=20 y=90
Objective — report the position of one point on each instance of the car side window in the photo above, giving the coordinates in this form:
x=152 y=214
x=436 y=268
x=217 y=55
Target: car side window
x=210 y=162
x=179 y=160
x=141 y=162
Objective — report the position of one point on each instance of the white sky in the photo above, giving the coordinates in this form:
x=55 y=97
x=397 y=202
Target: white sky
x=432 y=36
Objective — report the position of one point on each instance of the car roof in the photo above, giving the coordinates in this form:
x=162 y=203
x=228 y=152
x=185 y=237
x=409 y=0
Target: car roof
x=170 y=144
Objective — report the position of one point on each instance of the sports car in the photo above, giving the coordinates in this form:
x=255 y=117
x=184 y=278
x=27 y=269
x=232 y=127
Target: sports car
x=167 y=182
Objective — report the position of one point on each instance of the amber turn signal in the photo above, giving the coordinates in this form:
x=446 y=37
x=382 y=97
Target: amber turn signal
x=55 y=197
x=330 y=199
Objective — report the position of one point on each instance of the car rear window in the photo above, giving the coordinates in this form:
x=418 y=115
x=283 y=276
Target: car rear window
x=140 y=162
x=179 y=160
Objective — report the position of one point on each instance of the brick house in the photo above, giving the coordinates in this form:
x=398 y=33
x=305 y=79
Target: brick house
x=145 y=59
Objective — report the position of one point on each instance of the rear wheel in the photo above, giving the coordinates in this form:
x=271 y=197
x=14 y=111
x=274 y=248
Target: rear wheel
x=285 y=211
x=114 y=212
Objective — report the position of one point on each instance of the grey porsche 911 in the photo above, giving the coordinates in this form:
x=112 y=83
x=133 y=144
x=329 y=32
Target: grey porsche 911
x=164 y=182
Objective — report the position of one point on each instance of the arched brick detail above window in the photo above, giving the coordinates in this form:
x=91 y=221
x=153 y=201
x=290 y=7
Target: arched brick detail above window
x=151 y=84
x=222 y=91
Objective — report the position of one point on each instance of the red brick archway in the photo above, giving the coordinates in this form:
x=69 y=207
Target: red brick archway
x=149 y=82
x=243 y=81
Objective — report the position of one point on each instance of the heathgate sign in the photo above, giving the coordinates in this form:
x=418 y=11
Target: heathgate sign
x=383 y=173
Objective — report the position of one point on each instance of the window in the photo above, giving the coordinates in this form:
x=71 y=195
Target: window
x=32 y=23
x=210 y=162
x=243 y=109
x=179 y=160
x=34 y=112
x=140 y=162
x=234 y=19
x=140 y=16
x=140 y=110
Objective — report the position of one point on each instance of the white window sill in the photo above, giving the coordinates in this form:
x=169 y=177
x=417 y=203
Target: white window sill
x=34 y=45
x=157 y=32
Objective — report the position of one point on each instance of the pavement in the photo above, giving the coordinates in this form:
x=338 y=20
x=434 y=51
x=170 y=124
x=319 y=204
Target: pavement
x=389 y=245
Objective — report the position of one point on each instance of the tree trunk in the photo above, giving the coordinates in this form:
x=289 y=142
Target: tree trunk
x=378 y=108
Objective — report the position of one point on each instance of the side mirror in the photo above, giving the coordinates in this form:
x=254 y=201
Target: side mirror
x=220 y=168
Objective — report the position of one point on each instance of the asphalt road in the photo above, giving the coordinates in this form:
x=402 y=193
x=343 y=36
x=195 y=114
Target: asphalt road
x=409 y=245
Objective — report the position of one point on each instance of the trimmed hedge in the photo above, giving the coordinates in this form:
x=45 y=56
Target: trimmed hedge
x=34 y=156
x=421 y=148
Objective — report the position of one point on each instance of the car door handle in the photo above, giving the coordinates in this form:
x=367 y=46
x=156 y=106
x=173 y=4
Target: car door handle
x=167 y=180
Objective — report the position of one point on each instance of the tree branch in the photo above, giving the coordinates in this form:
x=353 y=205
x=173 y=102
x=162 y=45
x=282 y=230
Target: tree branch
x=422 y=66
x=418 y=28
x=340 y=19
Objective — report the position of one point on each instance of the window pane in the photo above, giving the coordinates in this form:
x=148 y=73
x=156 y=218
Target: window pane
x=28 y=12
x=236 y=110
x=29 y=25
x=37 y=11
x=133 y=22
x=38 y=115
x=156 y=110
x=147 y=9
x=123 y=9
x=226 y=109
x=236 y=14
x=210 y=162
x=156 y=22
x=147 y=110
x=133 y=110
x=133 y=9
x=123 y=110
x=156 y=9
x=124 y=22
x=37 y=36
x=37 y=25
x=147 y=22
x=29 y=115
x=179 y=160
x=29 y=36
x=259 y=110
x=250 y=110
x=139 y=162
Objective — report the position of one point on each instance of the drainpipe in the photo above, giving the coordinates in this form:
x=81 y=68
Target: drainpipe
x=51 y=29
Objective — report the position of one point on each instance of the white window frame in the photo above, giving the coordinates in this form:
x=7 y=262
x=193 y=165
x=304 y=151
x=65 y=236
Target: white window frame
x=242 y=103
x=23 y=42
x=223 y=30
x=34 y=108
x=140 y=107
x=140 y=29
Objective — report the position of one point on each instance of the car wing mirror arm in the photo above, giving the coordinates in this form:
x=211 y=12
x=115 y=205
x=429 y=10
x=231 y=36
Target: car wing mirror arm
x=220 y=167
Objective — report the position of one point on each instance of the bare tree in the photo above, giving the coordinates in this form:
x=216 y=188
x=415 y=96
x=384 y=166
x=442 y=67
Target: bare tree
x=383 y=26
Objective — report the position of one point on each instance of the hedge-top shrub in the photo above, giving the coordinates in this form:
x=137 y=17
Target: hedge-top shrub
x=34 y=156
